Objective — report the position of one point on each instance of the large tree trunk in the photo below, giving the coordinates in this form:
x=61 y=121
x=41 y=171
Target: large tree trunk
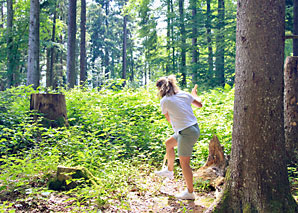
x=83 y=62
x=71 y=44
x=10 y=64
x=53 y=108
x=220 y=50
x=209 y=41
x=124 y=53
x=195 y=52
x=183 y=43
x=291 y=108
x=295 y=27
x=258 y=180
x=33 y=74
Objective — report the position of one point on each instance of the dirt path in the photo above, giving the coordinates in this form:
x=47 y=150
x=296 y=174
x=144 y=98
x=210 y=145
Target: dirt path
x=147 y=193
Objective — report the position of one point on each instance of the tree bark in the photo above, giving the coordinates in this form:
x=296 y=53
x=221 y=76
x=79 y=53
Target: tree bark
x=53 y=49
x=83 y=63
x=10 y=64
x=183 y=43
x=195 y=52
x=220 y=49
x=295 y=27
x=209 y=41
x=71 y=44
x=33 y=74
x=124 y=53
x=173 y=38
x=258 y=179
x=168 y=37
x=215 y=167
x=53 y=108
x=291 y=109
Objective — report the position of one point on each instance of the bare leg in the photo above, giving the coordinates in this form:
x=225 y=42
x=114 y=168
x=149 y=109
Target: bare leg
x=170 y=144
x=187 y=172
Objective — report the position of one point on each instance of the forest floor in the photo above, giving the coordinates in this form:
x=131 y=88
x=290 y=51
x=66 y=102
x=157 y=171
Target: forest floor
x=148 y=193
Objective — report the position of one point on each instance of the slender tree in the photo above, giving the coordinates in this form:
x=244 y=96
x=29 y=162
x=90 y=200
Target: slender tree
x=10 y=57
x=295 y=27
x=168 y=36
x=220 y=48
x=183 y=43
x=33 y=74
x=51 y=50
x=195 y=52
x=124 y=53
x=71 y=44
x=257 y=180
x=83 y=62
x=209 y=40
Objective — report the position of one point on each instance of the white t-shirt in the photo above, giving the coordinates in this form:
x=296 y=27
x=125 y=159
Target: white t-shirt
x=179 y=109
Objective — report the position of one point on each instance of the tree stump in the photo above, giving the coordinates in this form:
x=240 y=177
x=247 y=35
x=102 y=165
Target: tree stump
x=291 y=108
x=52 y=107
x=215 y=167
x=70 y=177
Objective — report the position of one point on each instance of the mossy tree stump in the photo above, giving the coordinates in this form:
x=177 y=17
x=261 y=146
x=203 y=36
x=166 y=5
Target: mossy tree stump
x=70 y=177
x=52 y=107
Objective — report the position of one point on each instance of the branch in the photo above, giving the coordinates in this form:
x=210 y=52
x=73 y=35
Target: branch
x=291 y=36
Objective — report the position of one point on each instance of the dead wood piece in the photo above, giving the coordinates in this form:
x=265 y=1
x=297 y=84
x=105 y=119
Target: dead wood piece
x=214 y=168
x=70 y=177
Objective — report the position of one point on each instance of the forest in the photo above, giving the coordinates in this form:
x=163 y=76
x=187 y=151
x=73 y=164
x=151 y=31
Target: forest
x=102 y=58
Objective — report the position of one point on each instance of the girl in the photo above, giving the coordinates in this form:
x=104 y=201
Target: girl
x=176 y=106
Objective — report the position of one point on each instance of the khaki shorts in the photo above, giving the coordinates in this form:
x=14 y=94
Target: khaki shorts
x=186 y=139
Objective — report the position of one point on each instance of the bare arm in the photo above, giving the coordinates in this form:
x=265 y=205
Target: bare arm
x=167 y=117
x=196 y=102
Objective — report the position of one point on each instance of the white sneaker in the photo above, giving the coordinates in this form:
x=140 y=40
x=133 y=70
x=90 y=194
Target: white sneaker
x=165 y=173
x=185 y=195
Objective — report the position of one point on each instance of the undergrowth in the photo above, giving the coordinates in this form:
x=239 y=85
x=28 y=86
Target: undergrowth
x=112 y=132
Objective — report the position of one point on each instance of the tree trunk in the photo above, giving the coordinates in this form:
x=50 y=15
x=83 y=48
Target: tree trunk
x=220 y=50
x=124 y=67
x=258 y=179
x=83 y=63
x=106 y=55
x=52 y=57
x=10 y=64
x=33 y=74
x=173 y=39
x=295 y=27
x=209 y=41
x=291 y=108
x=48 y=73
x=168 y=37
x=183 y=43
x=2 y=16
x=71 y=44
x=195 y=52
x=53 y=108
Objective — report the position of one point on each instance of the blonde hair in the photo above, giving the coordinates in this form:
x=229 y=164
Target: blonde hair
x=167 y=86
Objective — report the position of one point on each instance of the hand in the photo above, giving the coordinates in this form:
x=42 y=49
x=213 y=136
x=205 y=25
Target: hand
x=194 y=91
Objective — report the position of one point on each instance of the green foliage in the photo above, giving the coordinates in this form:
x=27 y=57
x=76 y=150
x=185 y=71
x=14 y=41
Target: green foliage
x=112 y=133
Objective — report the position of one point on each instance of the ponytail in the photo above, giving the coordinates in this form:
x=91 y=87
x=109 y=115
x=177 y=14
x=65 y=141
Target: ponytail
x=167 y=86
